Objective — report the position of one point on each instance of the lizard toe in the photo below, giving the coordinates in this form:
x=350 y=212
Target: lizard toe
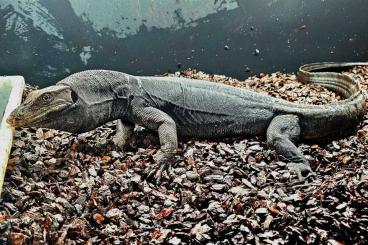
x=155 y=171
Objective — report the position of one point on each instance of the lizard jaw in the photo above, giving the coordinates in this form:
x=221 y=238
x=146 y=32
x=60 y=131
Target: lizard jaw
x=23 y=122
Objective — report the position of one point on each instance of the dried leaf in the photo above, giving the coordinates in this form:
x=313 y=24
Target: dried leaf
x=17 y=238
x=98 y=218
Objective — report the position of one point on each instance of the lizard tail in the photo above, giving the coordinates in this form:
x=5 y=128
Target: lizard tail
x=320 y=73
x=318 y=121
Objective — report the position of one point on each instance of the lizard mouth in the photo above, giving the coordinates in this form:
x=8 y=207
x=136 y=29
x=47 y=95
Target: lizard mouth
x=35 y=120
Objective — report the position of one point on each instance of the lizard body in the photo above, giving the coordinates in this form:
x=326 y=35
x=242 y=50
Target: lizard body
x=193 y=108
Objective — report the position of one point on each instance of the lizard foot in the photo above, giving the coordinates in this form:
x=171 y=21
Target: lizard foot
x=155 y=171
x=118 y=143
x=302 y=170
x=162 y=163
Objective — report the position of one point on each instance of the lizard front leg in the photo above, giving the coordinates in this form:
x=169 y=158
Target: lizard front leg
x=281 y=133
x=155 y=119
x=124 y=132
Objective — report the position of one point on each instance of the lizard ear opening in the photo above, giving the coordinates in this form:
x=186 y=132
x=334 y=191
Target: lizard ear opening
x=74 y=96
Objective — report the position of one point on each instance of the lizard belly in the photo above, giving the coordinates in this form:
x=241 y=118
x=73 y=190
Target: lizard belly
x=204 y=124
x=205 y=109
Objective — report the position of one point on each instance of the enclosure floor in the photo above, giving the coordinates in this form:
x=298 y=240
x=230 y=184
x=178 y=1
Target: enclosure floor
x=68 y=189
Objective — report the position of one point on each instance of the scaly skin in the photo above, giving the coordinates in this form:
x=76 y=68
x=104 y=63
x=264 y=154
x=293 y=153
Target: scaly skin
x=192 y=108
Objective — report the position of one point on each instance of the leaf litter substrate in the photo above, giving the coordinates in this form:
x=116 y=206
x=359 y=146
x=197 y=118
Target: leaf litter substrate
x=79 y=189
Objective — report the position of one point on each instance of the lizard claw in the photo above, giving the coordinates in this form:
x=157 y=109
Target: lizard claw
x=302 y=170
x=156 y=170
x=162 y=163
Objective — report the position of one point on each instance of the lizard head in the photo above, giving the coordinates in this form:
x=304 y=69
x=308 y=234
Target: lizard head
x=42 y=108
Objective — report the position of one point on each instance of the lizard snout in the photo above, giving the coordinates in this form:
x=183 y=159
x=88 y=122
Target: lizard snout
x=10 y=121
x=15 y=119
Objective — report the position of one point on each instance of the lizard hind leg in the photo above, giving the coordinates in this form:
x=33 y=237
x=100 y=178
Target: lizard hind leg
x=123 y=134
x=282 y=132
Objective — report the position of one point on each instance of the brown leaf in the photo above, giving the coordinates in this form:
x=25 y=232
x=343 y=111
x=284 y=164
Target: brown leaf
x=99 y=219
x=165 y=213
x=11 y=163
x=48 y=134
x=74 y=147
x=17 y=238
x=156 y=234
x=273 y=209
x=89 y=241
x=314 y=146
x=106 y=158
x=39 y=133
x=47 y=223
x=124 y=197
x=3 y=217
x=346 y=159
x=189 y=160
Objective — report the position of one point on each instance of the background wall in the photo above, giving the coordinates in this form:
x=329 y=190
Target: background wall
x=46 y=40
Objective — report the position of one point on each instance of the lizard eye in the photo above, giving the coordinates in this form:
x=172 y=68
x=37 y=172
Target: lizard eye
x=46 y=97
